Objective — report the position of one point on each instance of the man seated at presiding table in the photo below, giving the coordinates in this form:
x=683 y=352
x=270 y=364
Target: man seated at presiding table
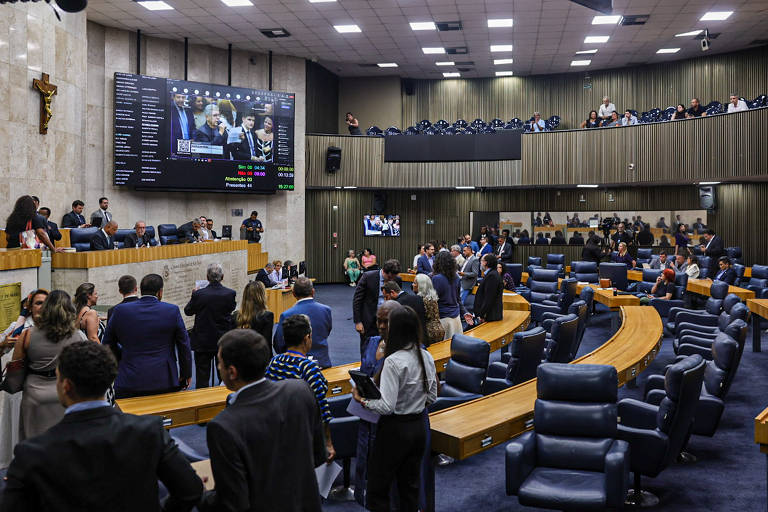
x=105 y=237
x=189 y=232
x=139 y=238
x=319 y=315
x=265 y=445
x=663 y=288
x=294 y=363
x=97 y=458
x=264 y=274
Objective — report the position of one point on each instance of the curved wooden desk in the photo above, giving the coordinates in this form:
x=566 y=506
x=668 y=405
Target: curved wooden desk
x=14 y=259
x=513 y=301
x=201 y=405
x=470 y=428
x=699 y=286
x=761 y=431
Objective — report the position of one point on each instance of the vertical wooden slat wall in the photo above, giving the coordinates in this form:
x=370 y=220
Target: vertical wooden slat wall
x=736 y=218
x=712 y=77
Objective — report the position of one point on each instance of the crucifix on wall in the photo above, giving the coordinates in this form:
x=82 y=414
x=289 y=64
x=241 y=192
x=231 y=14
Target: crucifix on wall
x=46 y=90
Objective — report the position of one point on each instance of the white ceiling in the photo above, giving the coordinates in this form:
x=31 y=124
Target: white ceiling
x=546 y=33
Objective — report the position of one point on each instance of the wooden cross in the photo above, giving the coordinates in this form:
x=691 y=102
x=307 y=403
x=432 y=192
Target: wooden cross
x=46 y=90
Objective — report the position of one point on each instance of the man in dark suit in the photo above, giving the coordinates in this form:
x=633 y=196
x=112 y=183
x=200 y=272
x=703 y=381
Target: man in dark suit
x=146 y=335
x=128 y=288
x=504 y=252
x=468 y=272
x=714 y=248
x=212 y=307
x=213 y=132
x=265 y=445
x=320 y=318
x=392 y=291
x=263 y=275
x=246 y=149
x=726 y=273
x=105 y=237
x=75 y=218
x=489 y=300
x=576 y=239
x=424 y=263
x=88 y=461
x=209 y=227
x=182 y=121
x=52 y=229
x=139 y=238
x=368 y=296
x=189 y=232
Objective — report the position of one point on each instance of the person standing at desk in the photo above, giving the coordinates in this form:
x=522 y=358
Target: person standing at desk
x=425 y=261
x=489 y=306
x=714 y=248
x=25 y=228
x=369 y=296
x=253 y=228
x=53 y=230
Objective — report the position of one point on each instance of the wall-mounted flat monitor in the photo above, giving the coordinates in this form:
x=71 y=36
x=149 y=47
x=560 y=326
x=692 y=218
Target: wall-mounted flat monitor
x=381 y=225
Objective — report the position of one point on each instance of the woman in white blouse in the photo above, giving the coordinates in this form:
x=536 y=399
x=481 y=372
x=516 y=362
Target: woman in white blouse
x=693 y=267
x=408 y=383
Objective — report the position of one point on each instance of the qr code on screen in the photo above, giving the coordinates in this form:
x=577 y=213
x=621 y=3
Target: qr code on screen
x=184 y=146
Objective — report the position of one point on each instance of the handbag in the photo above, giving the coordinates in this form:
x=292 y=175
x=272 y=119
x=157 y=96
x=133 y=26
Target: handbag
x=435 y=330
x=14 y=375
x=28 y=237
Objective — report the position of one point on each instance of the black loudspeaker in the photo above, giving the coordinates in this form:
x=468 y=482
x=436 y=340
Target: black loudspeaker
x=707 y=197
x=226 y=231
x=333 y=159
x=379 y=202
x=409 y=86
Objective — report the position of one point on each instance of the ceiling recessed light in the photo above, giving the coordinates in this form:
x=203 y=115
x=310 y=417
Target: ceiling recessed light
x=500 y=22
x=423 y=25
x=347 y=29
x=433 y=50
x=501 y=62
x=451 y=75
x=716 y=16
x=596 y=39
x=237 y=3
x=501 y=47
x=606 y=20
x=156 y=6
x=504 y=73
x=387 y=64
x=691 y=33
x=349 y=188
x=668 y=50
x=320 y=1
x=586 y=52
x=581 y=62
x=445 y=63
x=709 y=183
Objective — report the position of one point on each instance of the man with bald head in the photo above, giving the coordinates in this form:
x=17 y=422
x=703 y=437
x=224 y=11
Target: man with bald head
x=105 y=237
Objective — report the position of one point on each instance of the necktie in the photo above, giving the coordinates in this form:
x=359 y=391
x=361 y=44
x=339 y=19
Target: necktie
x=250 y=142
x=107 y=218
x=183 y=123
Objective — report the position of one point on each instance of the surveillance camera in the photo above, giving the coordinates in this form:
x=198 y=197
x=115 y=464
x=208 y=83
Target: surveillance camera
x=705 y=45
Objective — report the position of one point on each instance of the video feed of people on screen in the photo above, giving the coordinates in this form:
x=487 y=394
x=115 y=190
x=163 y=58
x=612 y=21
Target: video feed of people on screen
x=381 y=225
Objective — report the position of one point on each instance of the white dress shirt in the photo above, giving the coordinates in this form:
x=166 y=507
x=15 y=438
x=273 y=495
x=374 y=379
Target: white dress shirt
x=606 y=111
x=402 y=388
x=740 y=107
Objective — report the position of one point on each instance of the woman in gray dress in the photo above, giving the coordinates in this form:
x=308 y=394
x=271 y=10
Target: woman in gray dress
x=39 y=347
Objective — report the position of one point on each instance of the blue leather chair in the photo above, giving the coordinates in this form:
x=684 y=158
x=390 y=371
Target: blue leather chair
x=714 y=305
x=442 y=124
x=616 y=272
x=80 y=238
x=705 y=266
x=692 y=323
x=534 y=260
x=460 y=124
x=585 y=271
x=734 y=253
x=343 y=427
x=560 y=306
x=167 y=234
x=373 y=131
x=657 y=434
x=701 y=343
x=497 y=123
x=392 y=130
x=519 y=363
x=646 y=285
x=466 y=372
x=412 y=130
x=515 y=270
x=120 y=236
x=564 y=334
x=556 y=262
x=543 y=285
x=572 y=460
x=758 y=283
x=644 y=255
x=663 y=307
x=424 y=124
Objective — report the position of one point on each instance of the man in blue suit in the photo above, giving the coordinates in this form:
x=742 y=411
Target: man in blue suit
x=319 y=318
x=726 y=273
x=146 y=335
x=424 y=263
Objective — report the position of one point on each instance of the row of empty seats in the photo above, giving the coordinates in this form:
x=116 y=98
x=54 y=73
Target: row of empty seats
x=442 y=127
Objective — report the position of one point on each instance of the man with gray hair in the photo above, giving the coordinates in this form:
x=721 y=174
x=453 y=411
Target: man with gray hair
x=139 y=238
x=456 y=253
x=538 y=124
x=263 y=275
x=213 y=132
x=320 y=319
x=211 y=307
x=189 y=232
x=606 y=109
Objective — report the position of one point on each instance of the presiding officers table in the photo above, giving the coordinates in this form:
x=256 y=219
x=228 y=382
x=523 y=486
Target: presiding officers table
x=179 y=265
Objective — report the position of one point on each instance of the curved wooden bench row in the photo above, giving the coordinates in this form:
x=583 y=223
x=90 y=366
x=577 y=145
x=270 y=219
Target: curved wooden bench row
x=470 y=428
x=201 y=405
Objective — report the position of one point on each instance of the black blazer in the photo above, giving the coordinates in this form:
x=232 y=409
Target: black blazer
x=417 y=303
x=53 y=231
x=728 y=275
x=132 y=240
x=262 y=276
x=212 y=307
x=88 y=462
x=263 y=324
x=176 y=132
x=489 y=302
x=101 y=242
x=366 y=300
x=591 y=253
x=506 y=252
x=126 y=299
x=715 y=250
x=558 y=240
x=255 y=475
x=72 y=220
x=186 y=233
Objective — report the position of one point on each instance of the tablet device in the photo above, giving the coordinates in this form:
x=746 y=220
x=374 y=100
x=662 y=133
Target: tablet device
x=365 y=385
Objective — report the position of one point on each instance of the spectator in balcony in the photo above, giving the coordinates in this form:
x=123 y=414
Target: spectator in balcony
x=547 y=219
x=540 y=240
x=662 y=224
x=696 y=109
x=679 y=113
x=663 y=242
x=606 y=109
x=576 y=239
x=558 y=239
x=612 y=121
x=352 y=124
x=645 y=237
x=628 y=119
x=736 y=104
x=592 y=121
x=538 y=124
x=525 y=238
x=537 y=221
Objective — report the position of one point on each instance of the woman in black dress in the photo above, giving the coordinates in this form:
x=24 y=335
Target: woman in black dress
x=353 y=124
x=681 y=240
x=253 y=313
x=592 y=251
x=24 y=224
x=592 y=122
